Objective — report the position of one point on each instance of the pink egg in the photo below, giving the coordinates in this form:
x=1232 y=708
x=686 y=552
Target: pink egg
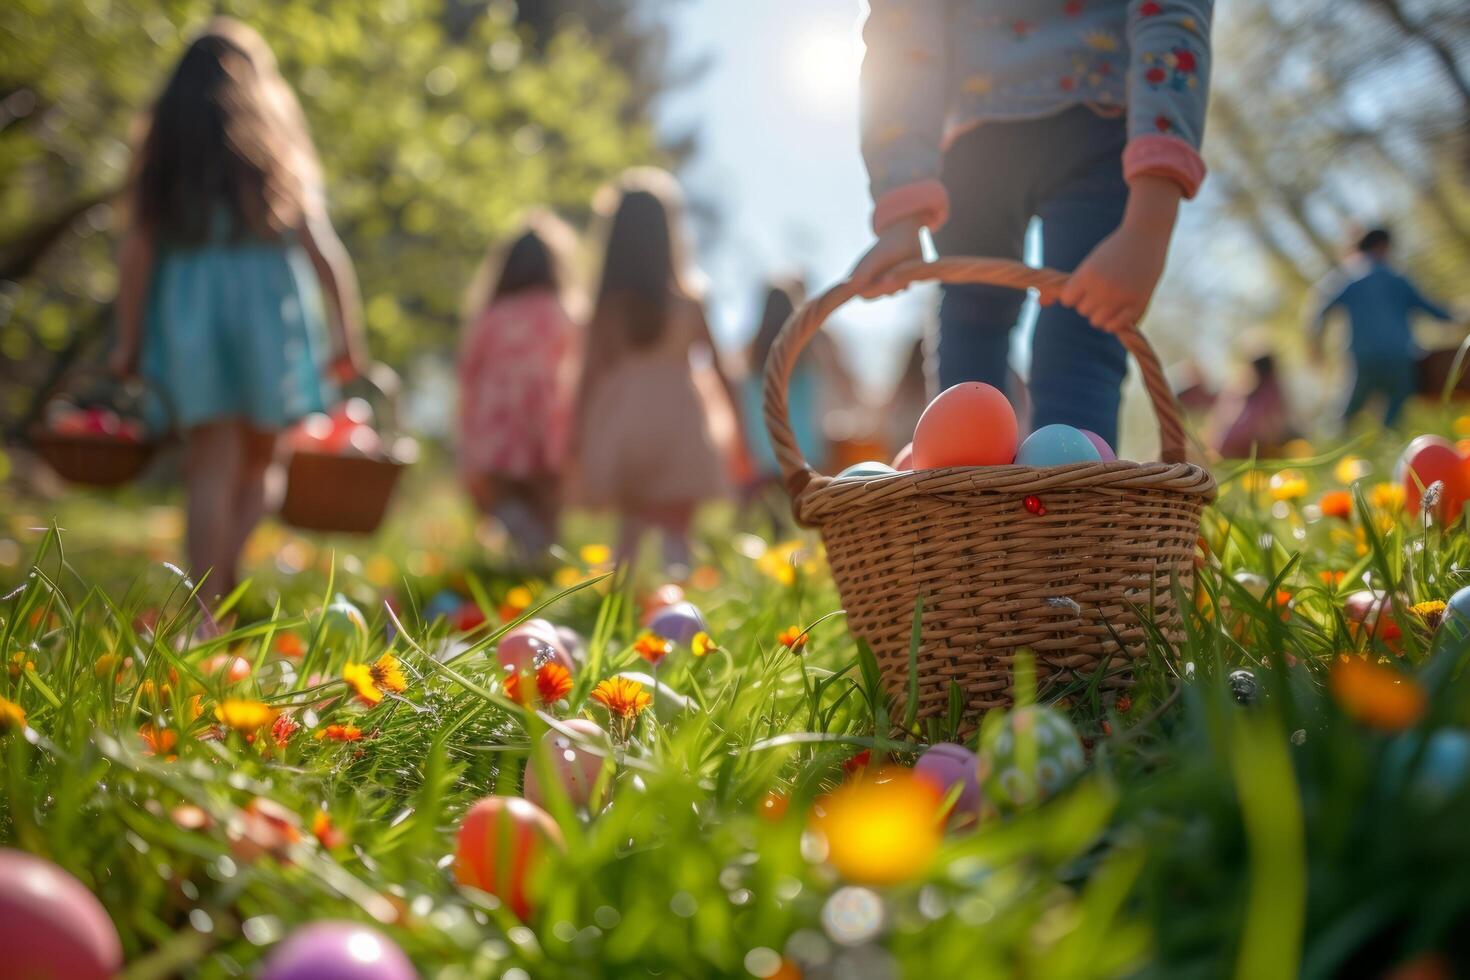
x=1100 y=444
x=946 y=765
x=530 y=645
x=576 y=769
x=333 y=950
x=51 y=927
x=970 y=424
x=905 y=458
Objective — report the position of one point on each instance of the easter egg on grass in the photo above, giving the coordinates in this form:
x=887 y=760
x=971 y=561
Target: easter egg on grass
x=1104 y=451
x=526 y=647
x=661 y=598
x=947 y=765
x=443 y=605
x=1027 y=755
x=503 y=842
x=1371 y=612
x=337 y=950
x=970 y=424
x=1428 y=460
x=668 y=703
x=575 y=768
x=679 y=622
x=343 y=624
x=51 y=926
x=866 y=470
x=573 y=644
x=1454 y=628
x=1056 y=445
x=905 y=458
x=1255 y=584
x=1441 y=763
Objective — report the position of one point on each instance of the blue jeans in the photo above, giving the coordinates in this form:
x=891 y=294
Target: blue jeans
x=1066 y=170
x=1390 y=375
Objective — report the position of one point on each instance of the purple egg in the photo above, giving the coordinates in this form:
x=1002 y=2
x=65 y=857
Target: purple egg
x=945 y=765
x=1100 y=444
x=51 y=927
x=332 y=950
x=572 y=643
x=679 y=622
x=531 y=644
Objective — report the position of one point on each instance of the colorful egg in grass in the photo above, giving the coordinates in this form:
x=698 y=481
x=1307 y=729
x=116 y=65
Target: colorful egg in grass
x=1428 y=460
x=905 y=459
x=531 y=644
x=866 y=470
x=1255 y=584
x=51 y=926
x=576 y=769
x=679 y=622
x=668 y=703
x=661 y=598
x=337 y=950
x=947 y=765
x=1104 y=451
x=970 y=424
x=502 y=843
x=573 y=644
x=1454 y=628
x=226 y=666
x=1057 y=445
x=343 y=624
x=443 y=605
x=1027 y=755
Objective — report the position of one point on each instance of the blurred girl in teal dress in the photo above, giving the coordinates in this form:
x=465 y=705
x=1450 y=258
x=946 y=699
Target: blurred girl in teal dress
x=235 y=298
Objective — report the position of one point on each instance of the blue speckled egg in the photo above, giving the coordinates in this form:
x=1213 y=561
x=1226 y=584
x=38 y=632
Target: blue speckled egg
x=866 y=471
x=1027 y=755
x=1057 y=445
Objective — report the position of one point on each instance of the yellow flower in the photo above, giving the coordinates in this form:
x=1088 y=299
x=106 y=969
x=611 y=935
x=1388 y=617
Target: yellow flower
x=621 y=696
x=387 y=673
x=566 y=577
x=1432 y=611
x=519 y=598
x=1297 y=449
x=1377 y=696
x=792 y=638
x=243 y=715
x=1350 y=468
x=1387 y=496
x=1462 y=426
x=359 y=677
x=1101 y=41
x=12 y=715
x=595 y=554
x=1255 y=481
x=702 y=644
x=19 y=664
x=881 y=830
x=1288 y=485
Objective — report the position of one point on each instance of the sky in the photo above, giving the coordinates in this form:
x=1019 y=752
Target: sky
x=776 y=115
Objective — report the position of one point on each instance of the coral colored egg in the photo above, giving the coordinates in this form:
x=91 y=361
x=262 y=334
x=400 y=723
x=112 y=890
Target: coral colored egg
x=905 y=458
x=1056 y=445
x=232 y=668
x=531 y=644
x=970 y=424
x=679 y=622
x=1430 y=459
x=51 y=927
x=1100 y=444
x=576 y=768
x=333 y=950
x=947 y=765
x=502 y=843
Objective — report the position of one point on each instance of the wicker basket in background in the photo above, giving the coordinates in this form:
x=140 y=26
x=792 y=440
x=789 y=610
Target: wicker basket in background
x=1114 y=539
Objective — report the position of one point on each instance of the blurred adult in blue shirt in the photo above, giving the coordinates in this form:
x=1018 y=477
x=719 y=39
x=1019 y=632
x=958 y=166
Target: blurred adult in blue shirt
x=1378 y=300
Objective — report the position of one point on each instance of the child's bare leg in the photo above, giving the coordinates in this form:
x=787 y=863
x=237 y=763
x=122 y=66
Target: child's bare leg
x=212 y=463
x=631 y=530
x=673 y=521
x=258 y=450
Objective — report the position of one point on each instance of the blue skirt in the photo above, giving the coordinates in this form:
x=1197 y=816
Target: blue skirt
x=237 y=331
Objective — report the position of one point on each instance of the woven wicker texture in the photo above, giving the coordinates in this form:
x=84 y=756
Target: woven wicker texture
x=1115 y=539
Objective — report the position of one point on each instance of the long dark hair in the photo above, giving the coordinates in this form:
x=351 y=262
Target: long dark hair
x=226 y=131
x=645 y=259
x=539 y=256
x=781 y=301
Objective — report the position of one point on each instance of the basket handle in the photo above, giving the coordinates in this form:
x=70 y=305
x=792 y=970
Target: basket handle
x=383 y=384
x=805 y=322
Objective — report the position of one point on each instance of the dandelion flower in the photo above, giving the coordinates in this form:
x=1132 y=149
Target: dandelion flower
x=702 y=644
x=1432 y=612
x=595 y=554
x=359 y=677
x=1350 y=468
x=388 y=674
x=622 y=697
x=1288 y=485
x=792 y=638
x=12 y=716
x=244 y=715
x=340 y=733
x=652 y=647
x=1387 y=496
x=1377 y=696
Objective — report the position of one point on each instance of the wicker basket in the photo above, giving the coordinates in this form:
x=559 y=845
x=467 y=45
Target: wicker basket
x=1067 y=584
x=100 y=460
x=341 y=493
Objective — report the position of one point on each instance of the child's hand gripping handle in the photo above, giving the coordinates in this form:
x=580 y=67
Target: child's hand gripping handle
x=808 y=319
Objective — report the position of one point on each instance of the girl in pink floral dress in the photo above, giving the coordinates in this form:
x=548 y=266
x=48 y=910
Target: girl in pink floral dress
x=517 y=378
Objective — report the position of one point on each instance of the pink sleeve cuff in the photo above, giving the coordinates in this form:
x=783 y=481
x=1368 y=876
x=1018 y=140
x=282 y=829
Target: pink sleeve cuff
x=926 y=199
x=1164 y=156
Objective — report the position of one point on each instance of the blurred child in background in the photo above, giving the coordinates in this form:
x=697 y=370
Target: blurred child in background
x=1257 y=420
x=223 y=272
x=517 y=379
x=655 y=428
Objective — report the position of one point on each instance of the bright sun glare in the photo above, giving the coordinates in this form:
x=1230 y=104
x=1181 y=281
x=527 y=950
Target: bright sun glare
x=824 y=69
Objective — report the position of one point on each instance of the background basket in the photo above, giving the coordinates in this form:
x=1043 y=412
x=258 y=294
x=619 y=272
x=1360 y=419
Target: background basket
x=345 y=493
x=1068 y=584
x=100 y=460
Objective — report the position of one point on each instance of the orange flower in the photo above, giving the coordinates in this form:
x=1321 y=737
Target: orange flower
x=285 y=726
x=12 y=716
x=243 y=715
x=160 y=741
x=553 y=682
x=792 y=638
x=702 y=644
x=773 y=805
x=325 y=831
x=340 y=733
x=621 y=696
x=19 y=664
x=290 y=645
x=1377 y=696
x=652 y=647
x=1337 y=503
x=359 y=677
x=880 y=831
x=387 y=673
x=1330 y=578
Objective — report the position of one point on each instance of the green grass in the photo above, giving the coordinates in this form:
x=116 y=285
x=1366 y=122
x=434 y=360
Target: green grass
x=1207 y=838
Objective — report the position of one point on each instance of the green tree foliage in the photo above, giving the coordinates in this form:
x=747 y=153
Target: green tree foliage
x=435 y=127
